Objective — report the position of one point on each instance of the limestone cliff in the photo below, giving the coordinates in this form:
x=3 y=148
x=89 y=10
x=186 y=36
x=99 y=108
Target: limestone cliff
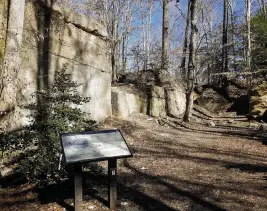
x=54 y=36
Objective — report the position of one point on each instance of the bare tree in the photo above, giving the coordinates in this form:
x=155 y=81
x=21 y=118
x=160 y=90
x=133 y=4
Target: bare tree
x=148 y=31
x=248 y=47
x=224 y=39
x=191 y=62
x=231 y=5
x=125 y=35
x=115 y=40
x=165 y=42
x=248 y=40
x=262 y=5
x=185 y=44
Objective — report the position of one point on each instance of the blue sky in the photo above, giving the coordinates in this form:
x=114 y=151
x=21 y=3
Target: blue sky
x=177 y=21
x=175 y=14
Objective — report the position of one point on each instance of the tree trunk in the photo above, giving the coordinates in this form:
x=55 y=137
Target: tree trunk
x=125 y=36
x=185 y=45
x=233 y=34
x=224 y=39
x=148 y=29
x=143 y=19
x=165 y=42
x=264 y=8
x=248 y=49
x=115 y=42
x=9 y=72
x=123 y=53
x=248 y=40
x=191 y=63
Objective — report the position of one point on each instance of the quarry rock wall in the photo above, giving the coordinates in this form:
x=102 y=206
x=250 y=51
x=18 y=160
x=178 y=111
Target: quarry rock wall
x=157 y=102
x=55 y=36
x=125 y=103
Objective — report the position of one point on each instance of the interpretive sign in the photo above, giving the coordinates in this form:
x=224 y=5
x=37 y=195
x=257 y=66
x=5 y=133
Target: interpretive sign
x=93 y=146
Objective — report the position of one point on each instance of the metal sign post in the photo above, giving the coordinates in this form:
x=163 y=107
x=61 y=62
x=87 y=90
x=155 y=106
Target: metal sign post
x=78 y=188
x=112 y=183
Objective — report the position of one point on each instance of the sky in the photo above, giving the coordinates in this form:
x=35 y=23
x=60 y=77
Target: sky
x=177 y=13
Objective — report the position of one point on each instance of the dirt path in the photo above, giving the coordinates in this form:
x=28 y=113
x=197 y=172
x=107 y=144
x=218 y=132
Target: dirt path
x=173 y=168
x=181 y=169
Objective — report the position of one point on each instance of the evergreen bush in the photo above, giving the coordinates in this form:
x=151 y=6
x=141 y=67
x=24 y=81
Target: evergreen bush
x=56 y=111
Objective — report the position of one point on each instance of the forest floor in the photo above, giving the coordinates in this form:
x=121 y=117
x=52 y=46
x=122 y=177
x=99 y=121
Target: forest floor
x=173 y=168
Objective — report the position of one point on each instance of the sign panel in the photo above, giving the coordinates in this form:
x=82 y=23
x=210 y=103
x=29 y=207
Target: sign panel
x=96 y=145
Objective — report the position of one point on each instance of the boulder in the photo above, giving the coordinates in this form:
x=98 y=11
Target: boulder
x=212 y=101
x=238 y=82
x=176 y=101
x=157 y=102
x=263 y=127
x=258 y=102
x=233 y=92
x=125 y=103
x=5 y=171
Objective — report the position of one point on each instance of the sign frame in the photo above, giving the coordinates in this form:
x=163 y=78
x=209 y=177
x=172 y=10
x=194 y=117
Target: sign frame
x=94 y=159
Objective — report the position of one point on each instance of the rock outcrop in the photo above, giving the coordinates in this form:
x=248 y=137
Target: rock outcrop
x=55 y=36
x=3 y=27
x=153 y=100
x=258 y=102
x=157 y=102
x=125 y=103
x=233 y=92
x=212 y=101
x=176 y=101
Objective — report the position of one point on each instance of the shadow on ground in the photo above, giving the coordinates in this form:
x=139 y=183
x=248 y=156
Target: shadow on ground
x=180 y=175
x=94 y=188
x=252 y=168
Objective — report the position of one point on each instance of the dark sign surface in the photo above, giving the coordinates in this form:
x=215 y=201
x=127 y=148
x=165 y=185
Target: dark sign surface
x=96 y=145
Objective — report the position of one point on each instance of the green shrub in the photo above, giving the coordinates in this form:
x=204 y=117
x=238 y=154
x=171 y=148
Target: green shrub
x=55 y=112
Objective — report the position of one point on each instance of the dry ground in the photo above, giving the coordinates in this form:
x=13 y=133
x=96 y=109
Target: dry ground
x=173 y=168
